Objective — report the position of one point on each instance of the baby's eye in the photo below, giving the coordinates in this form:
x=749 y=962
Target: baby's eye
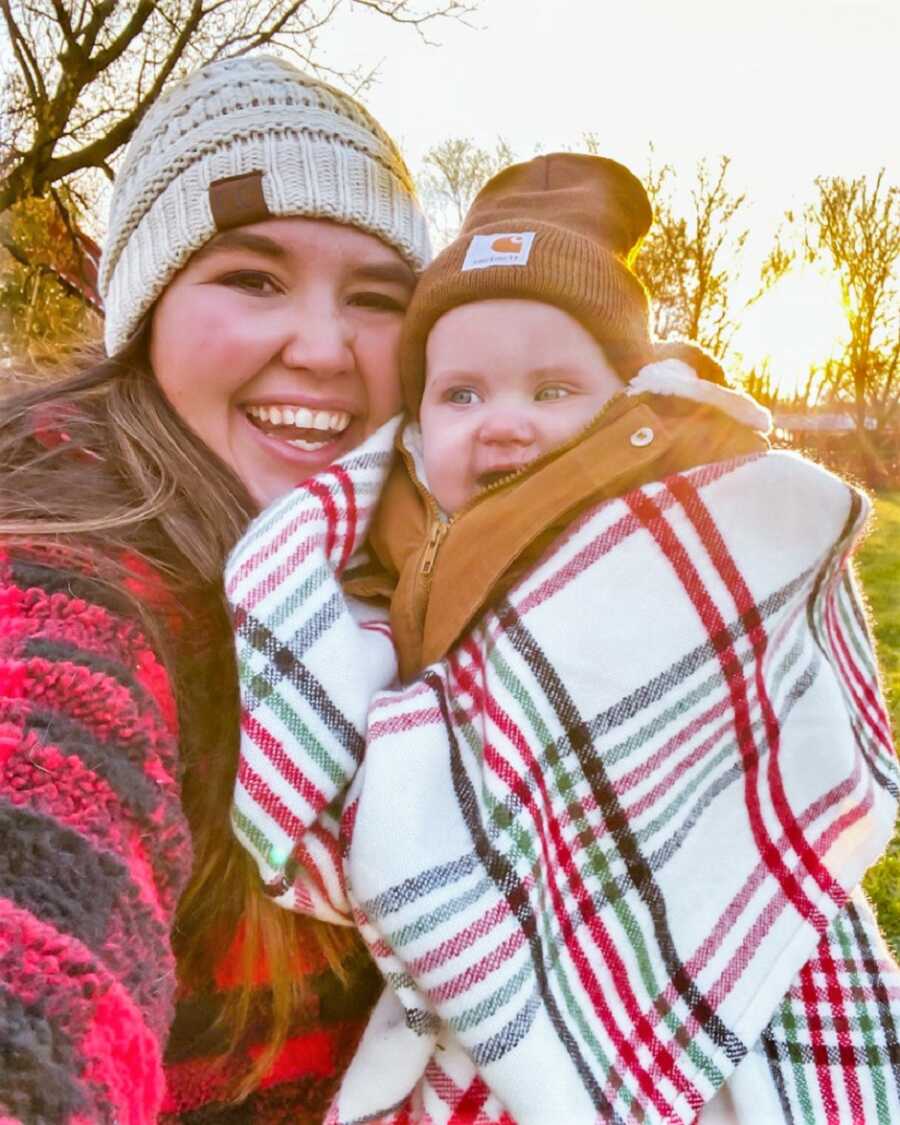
x=380 y=302
x=252 y=281
x=549 y=394
x=461 y=396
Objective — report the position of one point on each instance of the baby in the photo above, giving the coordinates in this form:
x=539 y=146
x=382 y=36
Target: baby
x=583 y=842
x=523 y=348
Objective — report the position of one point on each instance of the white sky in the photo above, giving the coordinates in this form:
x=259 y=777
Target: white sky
x=790 y=89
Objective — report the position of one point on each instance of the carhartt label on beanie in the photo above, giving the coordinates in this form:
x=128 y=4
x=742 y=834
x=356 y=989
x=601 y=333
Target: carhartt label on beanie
x=502 y=249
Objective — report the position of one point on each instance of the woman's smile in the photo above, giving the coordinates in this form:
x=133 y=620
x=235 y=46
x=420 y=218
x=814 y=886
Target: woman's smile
x=302 y=435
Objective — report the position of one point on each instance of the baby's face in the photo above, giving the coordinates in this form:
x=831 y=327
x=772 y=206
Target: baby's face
x=506 y=381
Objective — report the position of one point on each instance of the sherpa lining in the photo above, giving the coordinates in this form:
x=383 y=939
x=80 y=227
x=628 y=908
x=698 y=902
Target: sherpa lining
x=675 y=377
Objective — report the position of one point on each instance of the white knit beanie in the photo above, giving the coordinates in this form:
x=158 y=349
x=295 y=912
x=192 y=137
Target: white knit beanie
x=239 y=141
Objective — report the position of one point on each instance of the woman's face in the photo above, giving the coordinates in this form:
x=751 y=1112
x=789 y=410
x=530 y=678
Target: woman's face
x=278 y=345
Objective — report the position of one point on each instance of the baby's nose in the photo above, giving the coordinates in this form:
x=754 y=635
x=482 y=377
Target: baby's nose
x=507 y=427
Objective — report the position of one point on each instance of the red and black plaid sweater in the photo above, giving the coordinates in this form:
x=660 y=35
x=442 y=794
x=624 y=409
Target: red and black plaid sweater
x=94 y=852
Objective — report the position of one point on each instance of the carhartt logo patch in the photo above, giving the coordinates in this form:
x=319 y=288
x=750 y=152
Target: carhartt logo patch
x=498 y=250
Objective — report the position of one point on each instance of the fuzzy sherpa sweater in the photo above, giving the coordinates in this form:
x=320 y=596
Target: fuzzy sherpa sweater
x=607 y=851
x=94 y=852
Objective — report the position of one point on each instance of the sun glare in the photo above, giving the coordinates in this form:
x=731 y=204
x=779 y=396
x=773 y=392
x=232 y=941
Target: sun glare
x=798 y=324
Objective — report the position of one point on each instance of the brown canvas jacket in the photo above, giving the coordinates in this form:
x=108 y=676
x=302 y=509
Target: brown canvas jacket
x=441 y=574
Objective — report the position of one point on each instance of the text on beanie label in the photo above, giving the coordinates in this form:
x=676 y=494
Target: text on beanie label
x=498 y=250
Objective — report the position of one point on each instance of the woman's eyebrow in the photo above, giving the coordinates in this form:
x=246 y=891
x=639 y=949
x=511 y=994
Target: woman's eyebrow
x=242 y=240
x=397 y=273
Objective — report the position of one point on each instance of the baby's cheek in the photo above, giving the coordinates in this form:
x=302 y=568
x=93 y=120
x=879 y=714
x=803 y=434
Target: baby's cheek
x=445 y=470
x=434 y=467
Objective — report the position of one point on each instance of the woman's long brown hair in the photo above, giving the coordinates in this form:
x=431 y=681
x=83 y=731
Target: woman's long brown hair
x=118 y=475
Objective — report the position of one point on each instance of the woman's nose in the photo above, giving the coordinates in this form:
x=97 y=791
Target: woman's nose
x=318 y=341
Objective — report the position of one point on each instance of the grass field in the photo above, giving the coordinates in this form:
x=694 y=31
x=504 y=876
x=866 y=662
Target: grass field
x=879 y=569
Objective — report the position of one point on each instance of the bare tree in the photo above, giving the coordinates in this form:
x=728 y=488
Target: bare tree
x=690 y=258
x=855 y=226
x=453 y=173
x=84 y=73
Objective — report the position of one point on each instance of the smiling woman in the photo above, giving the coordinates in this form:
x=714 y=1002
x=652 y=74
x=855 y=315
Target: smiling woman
x=263 y=242
x=278 y=345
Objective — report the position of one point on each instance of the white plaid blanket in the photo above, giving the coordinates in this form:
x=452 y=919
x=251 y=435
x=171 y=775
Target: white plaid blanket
x=604 y=852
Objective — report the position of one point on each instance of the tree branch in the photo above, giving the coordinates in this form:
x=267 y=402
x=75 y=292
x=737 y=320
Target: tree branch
x=396 y=10
x=65 y=26
x=103 y=59
x=260 y=38
x=31 y=72
x=89 y=45
x=99 y=16
x=96 y=154
x=15 y=251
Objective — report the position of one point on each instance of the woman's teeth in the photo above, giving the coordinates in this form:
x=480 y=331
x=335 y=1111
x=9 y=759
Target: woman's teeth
x=301 y=417
x=284 y=422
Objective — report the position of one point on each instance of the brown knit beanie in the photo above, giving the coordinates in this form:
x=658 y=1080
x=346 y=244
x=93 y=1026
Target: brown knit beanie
x=562 y=229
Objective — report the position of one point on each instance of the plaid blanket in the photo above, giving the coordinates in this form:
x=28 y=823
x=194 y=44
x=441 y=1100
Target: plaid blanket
x=605 y=852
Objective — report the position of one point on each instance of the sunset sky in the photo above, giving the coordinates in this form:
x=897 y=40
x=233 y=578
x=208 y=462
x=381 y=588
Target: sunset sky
x=790 y=89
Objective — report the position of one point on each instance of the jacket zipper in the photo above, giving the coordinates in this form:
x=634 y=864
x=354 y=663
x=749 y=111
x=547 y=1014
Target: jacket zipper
x=435 y=539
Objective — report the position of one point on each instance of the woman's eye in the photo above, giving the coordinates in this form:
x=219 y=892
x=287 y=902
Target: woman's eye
x=549 y=394
x=461 y=396
x=252 y=281
x=380 y=302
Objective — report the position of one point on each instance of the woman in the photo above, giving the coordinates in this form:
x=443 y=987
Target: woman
x=262 y=246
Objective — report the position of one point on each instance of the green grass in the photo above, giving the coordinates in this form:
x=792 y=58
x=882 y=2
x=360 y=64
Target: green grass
x=879 y=569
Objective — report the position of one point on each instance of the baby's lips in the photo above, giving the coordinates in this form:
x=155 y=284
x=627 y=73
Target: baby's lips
x=497 y=472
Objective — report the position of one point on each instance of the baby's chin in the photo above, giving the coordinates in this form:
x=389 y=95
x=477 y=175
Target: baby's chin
x=450 y=496
x=453 y=500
